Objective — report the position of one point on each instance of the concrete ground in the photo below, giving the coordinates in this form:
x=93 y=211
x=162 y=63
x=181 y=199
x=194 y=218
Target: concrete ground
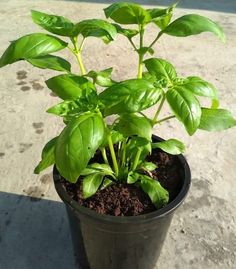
x=34 y=230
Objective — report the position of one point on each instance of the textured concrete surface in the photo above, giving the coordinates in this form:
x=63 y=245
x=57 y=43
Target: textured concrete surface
x=33 y=226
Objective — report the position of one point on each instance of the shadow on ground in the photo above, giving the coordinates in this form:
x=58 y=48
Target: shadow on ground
x=34 y=234
x=213 y=5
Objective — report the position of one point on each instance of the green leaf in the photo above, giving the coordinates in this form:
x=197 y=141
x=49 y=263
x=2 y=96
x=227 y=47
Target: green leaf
x=129 y=96
x=193 y=24
x=106 y=183
x=96 y=28
x=171 y=146
x=55 y=24
x=162 y=17
x=77 y=144
x=62 y=109
x=70 y=86
x=129 y=33
x=158 y=195
x=101 y=78
x=102 y=168
x=47 y=156
x=31 y=46
x=148 y=166
x=132 y=177
x=161 y=69
x=216 y=119
x=186 y=108
x=51 y=62
x=127 y=13
x=132 y=125
x=91 y=184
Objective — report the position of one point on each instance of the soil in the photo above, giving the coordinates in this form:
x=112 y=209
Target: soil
x=126 y=199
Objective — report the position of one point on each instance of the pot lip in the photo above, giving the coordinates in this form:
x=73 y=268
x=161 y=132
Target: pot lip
x=159 y=213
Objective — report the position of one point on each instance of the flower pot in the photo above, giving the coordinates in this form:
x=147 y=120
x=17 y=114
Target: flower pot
x=109 y=242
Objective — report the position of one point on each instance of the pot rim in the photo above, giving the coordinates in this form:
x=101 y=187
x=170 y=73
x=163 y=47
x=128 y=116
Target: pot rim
x=159 y=213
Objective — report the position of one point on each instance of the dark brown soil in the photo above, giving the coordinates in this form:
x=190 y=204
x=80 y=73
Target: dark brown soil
x=130 y=200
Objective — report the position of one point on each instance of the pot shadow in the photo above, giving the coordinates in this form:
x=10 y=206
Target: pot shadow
x=228 y=6
x=34 y=234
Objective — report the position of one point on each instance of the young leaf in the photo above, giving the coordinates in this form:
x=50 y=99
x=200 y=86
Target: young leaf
x=70 y=86
x=96 y=28
x=55 y=24
x=185 y=107
x=106 y=183
x=102 y=168
x=101 y=78
x=193 y=24
x=127 y=13
x=77 y=144
x=158 y=195
x=171 y=146
x=148 y=166
x=129 y=96
x=129 y=33
x=132 y=125
x=62 y=109
x=91 y=184
x=161 y=69
x=216 y=119
x=132 y=177
x=51 y=62
x=162 y=17
x=31 y=46
x=47 y=156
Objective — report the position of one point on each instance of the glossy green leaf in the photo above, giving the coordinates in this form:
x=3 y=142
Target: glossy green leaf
x=185 y=107
x=77 y=144
x=48 y=157
x=96 y=28
x=55 y=24
x=132 y=125
x=102 y=168
x=171 y=146
x=216 y=119
x=162 y=17
x=127 y=13
x=193 y=24
x=106 y=183
x=148 y=166
x=62 y=109
x=132 y=177
x=51 y=62
x=129 y=96
x=161 y=69
x=70 y=86
x=102 y=78
x=91 y=184
x=158 y=195
x=31 y=46
x=129 y=33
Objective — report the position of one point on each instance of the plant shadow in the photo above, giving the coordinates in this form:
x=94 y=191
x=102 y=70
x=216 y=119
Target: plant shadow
x=34 y=233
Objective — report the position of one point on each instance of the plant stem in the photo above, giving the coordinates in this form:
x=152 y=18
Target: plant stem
x=123 y=153
x=155 y=40
x=164 y=119
x=136 y=160
x=113 y=155
x=104 y=155
x=140 y=58
x=81 y=65
x=132 y=43
x=158 y=110
x=77 y=53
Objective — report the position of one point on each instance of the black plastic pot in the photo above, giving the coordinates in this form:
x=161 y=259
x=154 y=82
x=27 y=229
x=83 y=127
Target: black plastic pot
x=109 y=242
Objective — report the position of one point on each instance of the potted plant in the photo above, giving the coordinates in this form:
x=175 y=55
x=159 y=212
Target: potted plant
x=121 y=184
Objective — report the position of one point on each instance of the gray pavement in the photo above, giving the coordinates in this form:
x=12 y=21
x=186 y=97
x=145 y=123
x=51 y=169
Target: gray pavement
x=34 y=230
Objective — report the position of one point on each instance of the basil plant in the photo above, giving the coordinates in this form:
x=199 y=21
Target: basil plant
x=124 y=144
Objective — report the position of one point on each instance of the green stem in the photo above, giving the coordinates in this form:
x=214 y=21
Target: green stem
x=113 y=155
x=136 y=160
x=104 y=155
x=140 y=58
x=123 y=153
x=155 y=40
x=77 y=53
x=132 y=43
x=81 y=65
x=158 y=110
x=164 y=119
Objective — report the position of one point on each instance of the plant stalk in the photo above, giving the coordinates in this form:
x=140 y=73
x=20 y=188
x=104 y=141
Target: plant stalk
x=155 y=40
x=136 y=160
x=77 y=53
x=113 y=155
x=104 y=155
x=164 y=119
x=140 y=58
x=159 y=109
